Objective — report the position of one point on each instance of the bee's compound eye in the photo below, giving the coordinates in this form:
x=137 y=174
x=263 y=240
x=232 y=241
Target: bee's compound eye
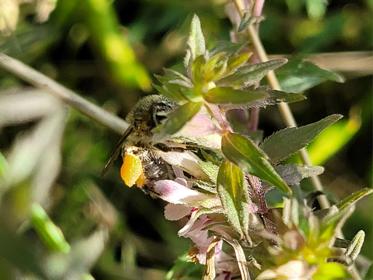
x=159 y=117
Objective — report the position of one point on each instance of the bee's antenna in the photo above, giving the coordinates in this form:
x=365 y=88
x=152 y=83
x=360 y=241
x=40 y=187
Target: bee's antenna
x=115 y=153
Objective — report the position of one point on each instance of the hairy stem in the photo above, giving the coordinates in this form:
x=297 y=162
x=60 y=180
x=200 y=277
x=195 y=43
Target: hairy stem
x=41 y=81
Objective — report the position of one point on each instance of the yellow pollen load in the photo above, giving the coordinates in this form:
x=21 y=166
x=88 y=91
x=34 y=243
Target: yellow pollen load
x=131 y=171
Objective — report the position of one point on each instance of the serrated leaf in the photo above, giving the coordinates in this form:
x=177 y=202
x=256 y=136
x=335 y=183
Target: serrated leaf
x=245 y=22
x=177 y=119
x=196 y=40
x=237 y=61
x=299 y=75
x=286 y=142
x=233 y=195
x=171 y=74
x=353 y=198
x=250 y=74
x=171 y=92
x=210 y=169
x=243 y=152
x=293 y=174
x=272 y=97
x=228 y=95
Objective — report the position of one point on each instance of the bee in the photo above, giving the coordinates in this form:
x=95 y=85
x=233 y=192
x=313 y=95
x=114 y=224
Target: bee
x=141 y=161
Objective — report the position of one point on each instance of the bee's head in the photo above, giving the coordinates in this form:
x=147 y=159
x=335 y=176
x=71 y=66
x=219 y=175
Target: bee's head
x=148 y=113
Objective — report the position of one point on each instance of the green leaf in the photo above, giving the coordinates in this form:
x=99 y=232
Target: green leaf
x=333 y=139
x=233 y=195
x=299 y=75
x=210 y=169
x=177 y=119
x=339 y=212
x=170 y=91
x=196 y=40
x=353 y=250
x=286 y=142
x=237 y=61
x=243 y=152
x=273 y=97
x=293 y=174
x=353 y=198
x=49 y=233
x=227 y=95
x=251 y=73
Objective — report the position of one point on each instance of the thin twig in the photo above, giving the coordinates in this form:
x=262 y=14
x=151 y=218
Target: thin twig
x=284 y=108
x=41 y=81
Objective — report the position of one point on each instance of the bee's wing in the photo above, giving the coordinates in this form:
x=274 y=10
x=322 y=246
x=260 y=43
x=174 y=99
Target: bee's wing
x=115 y=153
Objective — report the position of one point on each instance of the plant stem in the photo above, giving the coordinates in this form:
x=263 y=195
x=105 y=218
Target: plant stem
x=288 y=118
x=41 y=81
x=284 y=108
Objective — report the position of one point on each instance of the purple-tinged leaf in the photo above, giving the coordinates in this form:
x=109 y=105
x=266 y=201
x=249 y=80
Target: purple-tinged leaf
x=234 y=197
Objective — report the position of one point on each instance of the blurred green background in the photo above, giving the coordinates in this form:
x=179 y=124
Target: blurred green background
x=108 y=51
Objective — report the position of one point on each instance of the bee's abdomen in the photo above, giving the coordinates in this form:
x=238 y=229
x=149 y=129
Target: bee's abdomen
x=157 y=169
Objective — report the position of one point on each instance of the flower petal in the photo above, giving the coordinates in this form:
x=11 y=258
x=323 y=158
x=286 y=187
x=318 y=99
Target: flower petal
x=174 y=212
x=187 y=161
x=177 y=193
x=200 y=125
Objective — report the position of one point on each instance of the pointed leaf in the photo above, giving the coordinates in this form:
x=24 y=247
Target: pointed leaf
x=243 y=152
x=299 y=75
x=177 y=119
x=170 y=91
x=353 y=198
x=286 y=142
x=293 y=174
x=272 y=97
x=353 y=250
x=234 y=196
x=196 y=40
x=227 y=95
x=237 y=61
x=241 y=259
x=251 y=73
x=333 y=139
